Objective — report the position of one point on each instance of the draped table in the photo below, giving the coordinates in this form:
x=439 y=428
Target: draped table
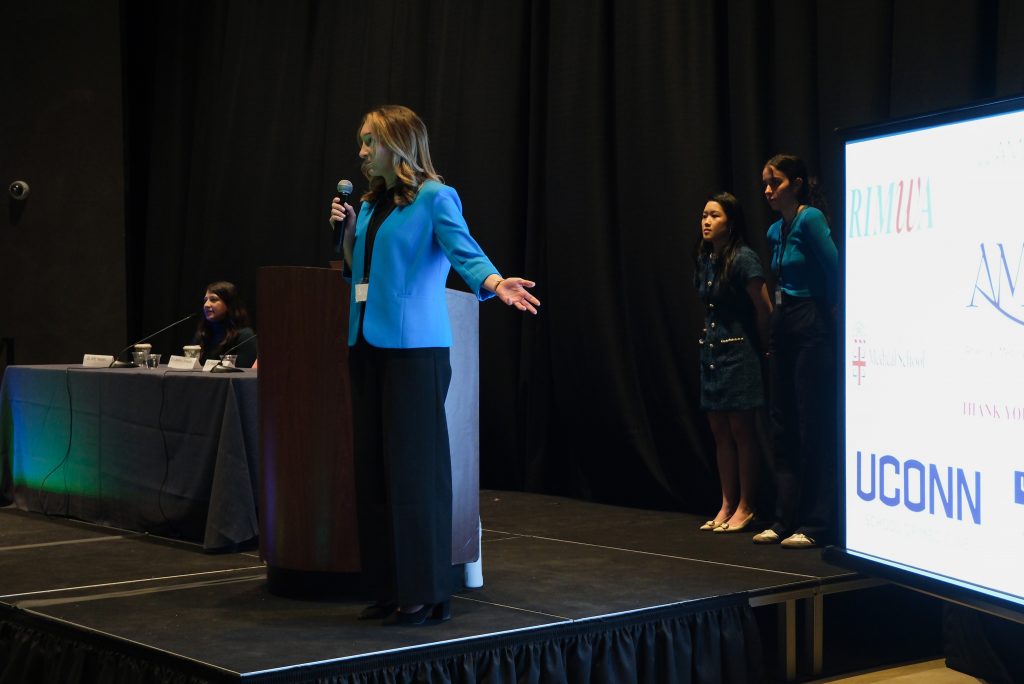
x=169 y=452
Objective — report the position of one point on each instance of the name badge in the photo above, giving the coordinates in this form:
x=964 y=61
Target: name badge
x=361 y=290
x=778 y=296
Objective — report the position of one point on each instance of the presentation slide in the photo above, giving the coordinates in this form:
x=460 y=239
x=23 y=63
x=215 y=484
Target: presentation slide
x=934 y=352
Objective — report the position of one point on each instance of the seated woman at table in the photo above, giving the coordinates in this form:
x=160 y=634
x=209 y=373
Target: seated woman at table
x=224 y=328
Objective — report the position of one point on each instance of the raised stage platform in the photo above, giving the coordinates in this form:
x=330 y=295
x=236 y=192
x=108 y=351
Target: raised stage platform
x=573 y=591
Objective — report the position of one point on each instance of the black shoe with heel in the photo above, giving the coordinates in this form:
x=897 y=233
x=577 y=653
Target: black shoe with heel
x=442 y=611
x=432 y=612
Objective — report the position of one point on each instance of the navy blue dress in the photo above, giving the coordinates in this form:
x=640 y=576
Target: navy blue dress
x=730 y=367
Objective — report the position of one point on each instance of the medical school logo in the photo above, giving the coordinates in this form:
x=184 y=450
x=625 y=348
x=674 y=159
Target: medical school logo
x=899 y=208
x=865 y=357
x=997 y=281
x=951 y=492
x=860 y=361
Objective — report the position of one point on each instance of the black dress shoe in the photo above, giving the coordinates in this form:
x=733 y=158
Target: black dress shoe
x=378 y=611
x=432 y=612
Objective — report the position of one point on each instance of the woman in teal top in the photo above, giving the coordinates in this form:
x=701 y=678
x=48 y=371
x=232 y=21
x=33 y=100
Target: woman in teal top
x=398 y=252
x=802 y=358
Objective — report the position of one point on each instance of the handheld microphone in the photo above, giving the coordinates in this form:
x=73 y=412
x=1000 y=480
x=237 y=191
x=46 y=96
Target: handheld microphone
x=131 y=364
x=344 y=192
x=221 y=368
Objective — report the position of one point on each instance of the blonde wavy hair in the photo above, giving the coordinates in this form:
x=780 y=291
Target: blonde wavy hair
x=400 y=130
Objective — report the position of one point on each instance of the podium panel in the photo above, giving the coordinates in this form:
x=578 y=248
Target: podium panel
x=307 y=511
x=308 y=524
x=462 y=409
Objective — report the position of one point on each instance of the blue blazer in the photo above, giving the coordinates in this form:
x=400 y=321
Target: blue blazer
x=413 y=252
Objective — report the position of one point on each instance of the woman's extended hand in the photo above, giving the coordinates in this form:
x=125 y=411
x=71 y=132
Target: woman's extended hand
x=513 y=291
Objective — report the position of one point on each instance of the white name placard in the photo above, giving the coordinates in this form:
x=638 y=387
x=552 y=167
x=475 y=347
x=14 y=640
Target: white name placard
x=97 y=360
x=183 y=362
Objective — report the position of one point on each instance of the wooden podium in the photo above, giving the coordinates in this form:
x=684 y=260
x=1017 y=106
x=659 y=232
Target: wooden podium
x=308 y=527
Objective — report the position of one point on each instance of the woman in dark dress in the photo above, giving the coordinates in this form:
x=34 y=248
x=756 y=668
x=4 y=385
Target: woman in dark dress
x=730 y=281
x=225 y=326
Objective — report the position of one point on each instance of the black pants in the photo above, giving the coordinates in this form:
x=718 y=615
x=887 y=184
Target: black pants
x=403 y=473
x=803 y=417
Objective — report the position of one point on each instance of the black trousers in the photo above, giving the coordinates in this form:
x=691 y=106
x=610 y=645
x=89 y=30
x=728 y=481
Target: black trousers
x=403 y=473
x=803 y=417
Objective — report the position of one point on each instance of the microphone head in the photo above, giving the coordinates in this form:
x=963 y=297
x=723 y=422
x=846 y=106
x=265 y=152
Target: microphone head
x=344 y=187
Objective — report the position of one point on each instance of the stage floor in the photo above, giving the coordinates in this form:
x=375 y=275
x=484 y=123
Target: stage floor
x=547 y=562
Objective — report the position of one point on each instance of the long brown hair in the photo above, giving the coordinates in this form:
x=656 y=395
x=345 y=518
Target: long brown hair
x=236 y=318
x=400 y=130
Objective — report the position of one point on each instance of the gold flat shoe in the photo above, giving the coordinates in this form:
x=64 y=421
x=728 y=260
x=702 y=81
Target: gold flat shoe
x=738 y=527
x=711 y=525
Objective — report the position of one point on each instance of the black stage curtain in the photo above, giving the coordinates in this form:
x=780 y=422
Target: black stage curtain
x=714 y=641
x=32 y=650
x=707 y=642
x=583 y=138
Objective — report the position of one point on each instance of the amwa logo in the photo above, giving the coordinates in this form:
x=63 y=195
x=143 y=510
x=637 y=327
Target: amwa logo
x=997 y=281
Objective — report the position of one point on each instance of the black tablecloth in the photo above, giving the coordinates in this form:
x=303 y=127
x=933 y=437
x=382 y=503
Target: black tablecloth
x=173 y=453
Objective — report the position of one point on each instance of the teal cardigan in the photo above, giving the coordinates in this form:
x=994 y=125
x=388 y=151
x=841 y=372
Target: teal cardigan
x=415 y=248
x=808 y=259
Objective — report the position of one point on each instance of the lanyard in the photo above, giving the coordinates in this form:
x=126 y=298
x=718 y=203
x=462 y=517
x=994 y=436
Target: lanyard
x=780 y=249
x=784 y=232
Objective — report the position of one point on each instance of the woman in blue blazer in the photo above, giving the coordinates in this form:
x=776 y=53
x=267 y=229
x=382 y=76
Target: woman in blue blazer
x=408 y=234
